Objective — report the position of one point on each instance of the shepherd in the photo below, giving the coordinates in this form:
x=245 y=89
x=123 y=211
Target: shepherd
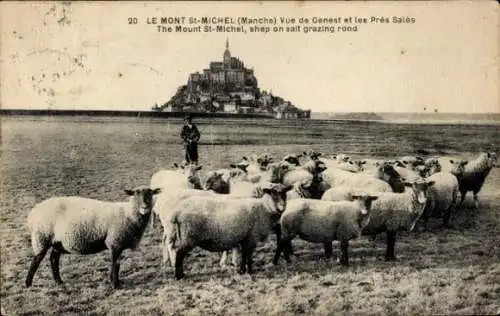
x=190 y=136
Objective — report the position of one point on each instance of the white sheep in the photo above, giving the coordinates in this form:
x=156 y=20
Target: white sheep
x=474 y=175
x=442 y=196
x=323 y=222
x=393 y=212
x=411 y=161
x=341 y=193
x=165 y=205
x=219 y=180
x=405 y=172
x=386 y=179
x=184 y=176
x=72 y=224
x=216 y=224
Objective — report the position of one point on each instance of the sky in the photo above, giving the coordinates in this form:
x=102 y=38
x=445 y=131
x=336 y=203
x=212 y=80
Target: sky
x=86 y=55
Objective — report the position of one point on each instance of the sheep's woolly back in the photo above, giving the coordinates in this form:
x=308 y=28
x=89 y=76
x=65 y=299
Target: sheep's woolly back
x=481 y=165
x=443 y=194
x=74 y=220
x=218 y=224
x=394 y=211
x=476 y=171
x=322 y=221
x=338 y=178
x=338 y=194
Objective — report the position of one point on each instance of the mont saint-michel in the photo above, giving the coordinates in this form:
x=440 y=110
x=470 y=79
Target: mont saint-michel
x=228 y=86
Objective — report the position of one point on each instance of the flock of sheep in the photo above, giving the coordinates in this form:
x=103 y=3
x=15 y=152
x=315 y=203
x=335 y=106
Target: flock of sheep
x=319 y=199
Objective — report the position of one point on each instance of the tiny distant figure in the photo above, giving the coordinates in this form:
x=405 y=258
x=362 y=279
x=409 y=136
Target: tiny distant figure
x=190 y=135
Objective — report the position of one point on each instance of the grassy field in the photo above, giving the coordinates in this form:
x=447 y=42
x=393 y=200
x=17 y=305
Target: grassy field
x=453 y=271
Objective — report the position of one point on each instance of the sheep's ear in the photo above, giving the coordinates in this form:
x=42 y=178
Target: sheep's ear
x=243 y=168
x=156 y=191
x=304 y=153
x=452 y=161
x=362 y=162
x=267 y=190
x=176 y=165
x=129 y=192
x=372 y=197
x=233 y=165
x=299 y=155
x=464 y=163
x=198 y=167
x=430 y=183
x=244 y=158
x=399 y=163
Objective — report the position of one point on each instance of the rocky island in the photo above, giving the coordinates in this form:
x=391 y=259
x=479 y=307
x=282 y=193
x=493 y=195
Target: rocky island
x=229 y=87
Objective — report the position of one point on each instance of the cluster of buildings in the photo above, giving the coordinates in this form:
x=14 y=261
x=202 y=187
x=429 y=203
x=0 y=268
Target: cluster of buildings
x=228 y=86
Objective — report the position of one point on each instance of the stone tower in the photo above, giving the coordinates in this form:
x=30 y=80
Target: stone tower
x=227 y=55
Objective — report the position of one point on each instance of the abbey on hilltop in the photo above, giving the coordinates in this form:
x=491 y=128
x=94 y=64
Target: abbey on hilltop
x=227 y=86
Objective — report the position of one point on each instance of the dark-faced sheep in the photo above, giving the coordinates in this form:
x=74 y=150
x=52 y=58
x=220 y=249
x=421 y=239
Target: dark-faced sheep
x=323 y=222
x=216 y=224
x=393 y=212
x=475 y=174
x=87 y=226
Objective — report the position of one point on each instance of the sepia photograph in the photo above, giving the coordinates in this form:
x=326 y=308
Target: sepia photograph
x=249 y=158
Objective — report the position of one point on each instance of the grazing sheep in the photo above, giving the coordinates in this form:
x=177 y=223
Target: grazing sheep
x=84 y=226
x=442 y=196
x=474 y=174
x=323 y=222
x=433 y=165
x=256 y=164
x=185 y=176
x=166 y=203
x=393 y=212
x=341 y=157
x=293 y=159
x=216 y=224
x=411 y=161
x=312 y=154
x=385 y=179
x=219 y=180
x=406 y=173
x=351 y=165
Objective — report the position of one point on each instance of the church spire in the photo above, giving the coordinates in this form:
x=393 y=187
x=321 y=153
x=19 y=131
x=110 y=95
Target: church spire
x=227 y=54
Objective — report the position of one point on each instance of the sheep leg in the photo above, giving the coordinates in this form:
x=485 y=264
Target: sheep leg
x=425 y=220
x=223 y=259
x=35 y=263
x=166 y=251
x=180 y=254
x=446 y=217
x=391 y=241
x=115 y=268
x=462 y=197
x=55 y=256
x=249 y=259
x=234 y=257
x=283 y=244
x=476 y=202
x=243 y=262
x=328 y=250
x=344 y=253
x=288 y=248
